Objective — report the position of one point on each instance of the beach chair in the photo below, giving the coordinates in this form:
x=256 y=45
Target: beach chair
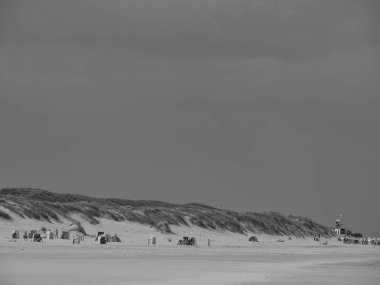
x=99 y=234
x=15 y=235
x=65 y=235
x=102 y=239
x=31 y=233
x=37 y=237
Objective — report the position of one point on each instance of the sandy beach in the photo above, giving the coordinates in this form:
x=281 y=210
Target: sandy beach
x=230 y=259
x=28 y=263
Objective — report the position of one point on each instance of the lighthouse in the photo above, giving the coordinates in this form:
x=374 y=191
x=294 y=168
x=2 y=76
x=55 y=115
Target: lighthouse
x=339 y=229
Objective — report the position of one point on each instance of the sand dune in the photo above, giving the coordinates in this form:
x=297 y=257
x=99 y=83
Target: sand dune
x=50 y=207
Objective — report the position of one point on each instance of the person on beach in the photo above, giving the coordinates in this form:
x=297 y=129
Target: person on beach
x=56 y=233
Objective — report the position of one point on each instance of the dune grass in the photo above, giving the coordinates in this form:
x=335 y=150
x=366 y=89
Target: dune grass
x=53 y=207
x=5 y=215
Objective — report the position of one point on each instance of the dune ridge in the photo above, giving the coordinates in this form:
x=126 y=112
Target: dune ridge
x=43 y=205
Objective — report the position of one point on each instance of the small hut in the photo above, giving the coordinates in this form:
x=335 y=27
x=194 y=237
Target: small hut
x=65 y=235
x=152 y=240
x=98 y=235
x=37 y=237
x=15 y=234
x=30 y=233
x=102 y=239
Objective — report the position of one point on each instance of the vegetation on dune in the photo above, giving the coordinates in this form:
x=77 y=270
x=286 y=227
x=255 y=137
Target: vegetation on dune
x=163 y=227
x=53 y=207
x=4 y=215
x=253 y=239
x=77 y=226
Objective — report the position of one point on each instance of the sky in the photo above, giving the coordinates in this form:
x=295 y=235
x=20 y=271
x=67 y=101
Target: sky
x=245 y=105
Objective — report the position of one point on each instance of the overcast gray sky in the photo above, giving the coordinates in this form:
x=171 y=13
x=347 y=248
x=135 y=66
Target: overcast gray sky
x=253 y=105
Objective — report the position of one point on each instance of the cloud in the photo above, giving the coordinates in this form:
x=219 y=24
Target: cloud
x=285 y=30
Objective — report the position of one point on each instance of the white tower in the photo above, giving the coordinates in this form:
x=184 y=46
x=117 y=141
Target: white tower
x=339 y=230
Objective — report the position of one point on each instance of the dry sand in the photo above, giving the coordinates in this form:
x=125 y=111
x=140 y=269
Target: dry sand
x=230 y=259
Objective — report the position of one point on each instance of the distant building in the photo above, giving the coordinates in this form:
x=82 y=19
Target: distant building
x=339 y=229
